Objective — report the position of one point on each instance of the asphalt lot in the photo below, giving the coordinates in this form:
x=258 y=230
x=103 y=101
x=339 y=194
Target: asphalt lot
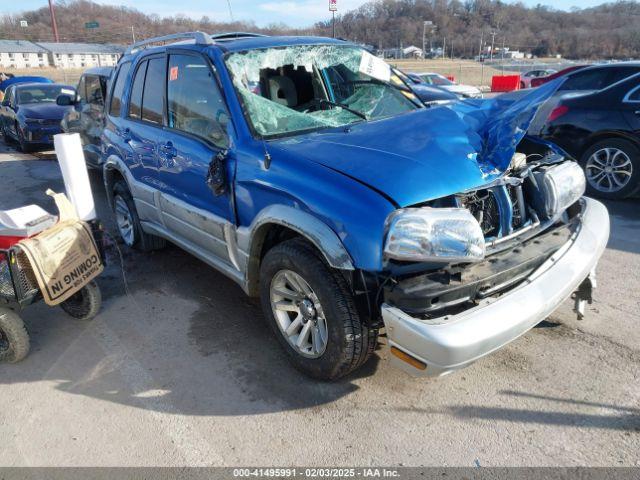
x=180 y=369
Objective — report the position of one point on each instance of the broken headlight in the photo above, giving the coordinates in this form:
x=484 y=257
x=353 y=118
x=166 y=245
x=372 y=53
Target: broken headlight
x=562 y=185
x=434 y=234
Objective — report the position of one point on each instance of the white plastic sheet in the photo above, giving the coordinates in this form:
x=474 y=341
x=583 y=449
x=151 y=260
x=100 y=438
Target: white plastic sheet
x=74 y=171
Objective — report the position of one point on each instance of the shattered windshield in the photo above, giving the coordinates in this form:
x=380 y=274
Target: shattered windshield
x=287 y=90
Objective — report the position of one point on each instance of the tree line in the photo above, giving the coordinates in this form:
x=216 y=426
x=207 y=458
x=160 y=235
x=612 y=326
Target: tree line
x=610 y=30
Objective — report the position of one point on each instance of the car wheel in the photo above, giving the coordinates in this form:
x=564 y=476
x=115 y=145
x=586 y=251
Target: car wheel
x=6 y=135
x=14 y=339
x=128 y=222
x=612 y=168
x=85 y=304
x=23 y=146
x=309 y=307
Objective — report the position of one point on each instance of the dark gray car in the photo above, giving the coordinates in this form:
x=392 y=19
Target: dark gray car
x=87 y=115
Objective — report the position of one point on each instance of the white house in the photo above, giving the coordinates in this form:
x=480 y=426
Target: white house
x=81 y=55
x=22 y=54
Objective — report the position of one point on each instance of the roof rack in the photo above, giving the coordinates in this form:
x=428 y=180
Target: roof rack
x=232 y=35
x=200 y=38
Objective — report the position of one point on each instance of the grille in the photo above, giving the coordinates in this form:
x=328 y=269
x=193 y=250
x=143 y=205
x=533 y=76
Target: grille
x=484 y=207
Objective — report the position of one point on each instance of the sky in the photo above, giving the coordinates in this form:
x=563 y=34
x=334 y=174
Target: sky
x=297 y=13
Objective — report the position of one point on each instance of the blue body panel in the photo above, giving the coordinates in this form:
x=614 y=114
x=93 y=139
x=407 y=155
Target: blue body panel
x=350 y=179
x=26 y=79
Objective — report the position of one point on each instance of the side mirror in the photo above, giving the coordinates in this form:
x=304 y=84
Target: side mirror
x=65 y=100
x=217 y=174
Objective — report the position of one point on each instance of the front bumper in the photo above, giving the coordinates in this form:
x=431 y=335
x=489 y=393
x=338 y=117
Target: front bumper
x=41 y=134
x=455 y=341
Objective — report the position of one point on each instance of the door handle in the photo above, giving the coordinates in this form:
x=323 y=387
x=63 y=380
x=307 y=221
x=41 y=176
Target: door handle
x=125 y=134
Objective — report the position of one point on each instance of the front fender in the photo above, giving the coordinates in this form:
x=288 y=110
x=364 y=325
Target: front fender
x=310 y=227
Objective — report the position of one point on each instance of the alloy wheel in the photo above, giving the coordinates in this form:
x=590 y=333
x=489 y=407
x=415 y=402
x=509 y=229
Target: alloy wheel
x=609 y=170
x=299 y=314
x=124 y=219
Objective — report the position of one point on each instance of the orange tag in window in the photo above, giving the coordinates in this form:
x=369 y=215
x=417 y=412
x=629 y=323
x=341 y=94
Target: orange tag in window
x=173 y=74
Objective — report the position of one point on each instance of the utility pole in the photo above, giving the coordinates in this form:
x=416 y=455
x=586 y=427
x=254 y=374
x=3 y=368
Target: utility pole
x=502 y=56
x=493 y=37
x=133 y=35
x=424 y=43
x=333 y=24
x=444 y=48
x=230 y=11
x=427 y=24
x=481 y=40
x=53 y=22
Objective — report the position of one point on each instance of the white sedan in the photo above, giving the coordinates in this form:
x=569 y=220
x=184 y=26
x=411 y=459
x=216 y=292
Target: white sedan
x=525 y=78
x=440 y=81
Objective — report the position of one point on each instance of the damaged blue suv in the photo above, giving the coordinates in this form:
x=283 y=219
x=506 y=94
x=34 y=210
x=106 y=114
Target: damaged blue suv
x=308 y=172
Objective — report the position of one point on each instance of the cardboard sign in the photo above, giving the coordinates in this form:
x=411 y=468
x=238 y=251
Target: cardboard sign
x=64 y=258
x=375 y=67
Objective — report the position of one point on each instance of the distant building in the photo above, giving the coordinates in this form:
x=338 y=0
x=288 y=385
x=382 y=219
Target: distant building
x=81 y=55
x=412 y=52
x=506 y=53
x=22 y=54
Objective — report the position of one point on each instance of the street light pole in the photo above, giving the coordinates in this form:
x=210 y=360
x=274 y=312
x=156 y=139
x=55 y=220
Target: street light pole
x=53 y=22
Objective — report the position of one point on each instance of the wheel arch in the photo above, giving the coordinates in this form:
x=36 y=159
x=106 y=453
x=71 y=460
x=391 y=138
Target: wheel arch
x=113 y=170
x=278 y=223
x=605 y=135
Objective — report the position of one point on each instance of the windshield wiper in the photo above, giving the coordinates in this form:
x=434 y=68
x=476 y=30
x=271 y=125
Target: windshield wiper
x=342 y=105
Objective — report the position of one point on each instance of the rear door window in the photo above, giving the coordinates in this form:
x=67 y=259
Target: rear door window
x=621 y=73
x=118 y=90
x=135 y=103
x=597 y=79
x=154 y=88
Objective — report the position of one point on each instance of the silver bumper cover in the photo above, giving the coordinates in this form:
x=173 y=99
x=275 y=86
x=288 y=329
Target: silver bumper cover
x=453 y=342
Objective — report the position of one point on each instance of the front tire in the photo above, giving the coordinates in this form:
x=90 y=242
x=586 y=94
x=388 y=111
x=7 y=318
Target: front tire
x=612 y=169
x=23 y=146
x=128 y=222
x=14 y=339
x=310 y=309
x=85 y=304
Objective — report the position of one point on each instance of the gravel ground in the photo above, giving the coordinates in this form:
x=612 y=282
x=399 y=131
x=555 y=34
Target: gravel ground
x=179 y=369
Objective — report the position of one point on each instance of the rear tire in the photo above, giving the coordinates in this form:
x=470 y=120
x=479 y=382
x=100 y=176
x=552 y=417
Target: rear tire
x=349 y=342
x=85 y=304
x=128 y=222
x=14 y=339
x=622 y=158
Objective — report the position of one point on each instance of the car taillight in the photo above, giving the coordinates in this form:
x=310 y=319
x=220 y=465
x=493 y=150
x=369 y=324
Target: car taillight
x=557 y=112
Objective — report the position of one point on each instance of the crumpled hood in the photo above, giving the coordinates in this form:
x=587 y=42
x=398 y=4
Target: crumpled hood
x=48 y=111
x=426 y=154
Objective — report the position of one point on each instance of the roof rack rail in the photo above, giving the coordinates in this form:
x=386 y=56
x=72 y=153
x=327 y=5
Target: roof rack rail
x=231 y=35
x=200 y=38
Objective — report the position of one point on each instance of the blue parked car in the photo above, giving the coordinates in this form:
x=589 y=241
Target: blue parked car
x=309 y=173
x=29 y=114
